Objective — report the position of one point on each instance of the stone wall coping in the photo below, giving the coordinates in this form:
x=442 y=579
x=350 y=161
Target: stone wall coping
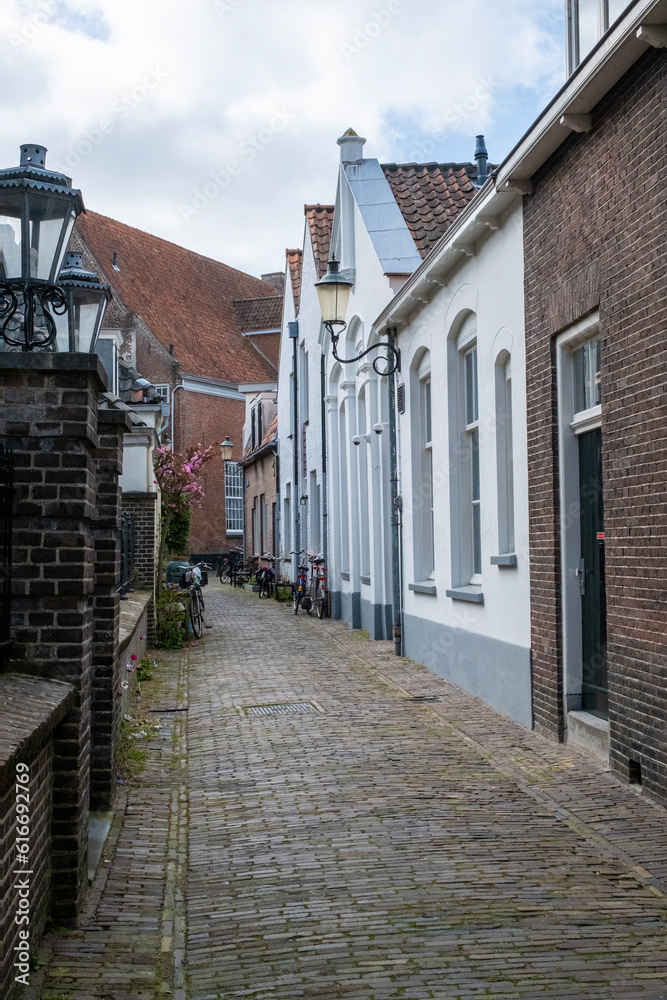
x=121 y=417
x=30 y=709
x=140 y=495
x=47 y=361
x=131 y=610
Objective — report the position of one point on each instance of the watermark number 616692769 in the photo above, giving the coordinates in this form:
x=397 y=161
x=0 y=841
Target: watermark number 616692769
x=23 y=874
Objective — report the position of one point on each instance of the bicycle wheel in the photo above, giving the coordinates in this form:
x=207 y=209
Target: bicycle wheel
x=311 y=595
x=296 y=600
x=320 y=602
x=196 y=614
x=226 y=572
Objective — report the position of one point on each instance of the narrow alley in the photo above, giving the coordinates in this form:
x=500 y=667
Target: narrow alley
x=319 y=819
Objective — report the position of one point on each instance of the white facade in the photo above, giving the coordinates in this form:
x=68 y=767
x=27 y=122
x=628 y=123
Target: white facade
x=302 y=491
x=463 y=457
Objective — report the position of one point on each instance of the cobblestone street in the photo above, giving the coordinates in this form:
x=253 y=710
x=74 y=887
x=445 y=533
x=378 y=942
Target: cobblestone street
x=368 y=844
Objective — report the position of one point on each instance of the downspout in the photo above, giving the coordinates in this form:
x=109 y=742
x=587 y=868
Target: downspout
x=278 y=517
x=395 y=510
x=294 y=334
x=325 y=509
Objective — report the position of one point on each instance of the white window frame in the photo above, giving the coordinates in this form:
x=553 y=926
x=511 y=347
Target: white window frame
x=606 y=13
x=233 y=499
x=505 y=454
x=463 y=433
x=570 y=425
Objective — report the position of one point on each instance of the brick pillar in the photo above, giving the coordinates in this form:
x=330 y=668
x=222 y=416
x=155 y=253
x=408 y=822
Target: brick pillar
x=48 y=416
x=106 y=705
x=144 y=509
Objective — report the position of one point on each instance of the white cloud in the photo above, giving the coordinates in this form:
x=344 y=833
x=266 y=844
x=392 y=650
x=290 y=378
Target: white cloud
x=144 y=101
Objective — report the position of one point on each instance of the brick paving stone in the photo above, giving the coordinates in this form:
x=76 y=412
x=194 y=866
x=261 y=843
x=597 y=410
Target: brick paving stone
x=378 y=849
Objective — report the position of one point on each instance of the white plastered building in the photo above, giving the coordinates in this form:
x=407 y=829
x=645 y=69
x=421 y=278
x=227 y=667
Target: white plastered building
x=462 y=455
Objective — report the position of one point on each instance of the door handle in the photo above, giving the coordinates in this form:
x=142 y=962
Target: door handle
x=581 y=574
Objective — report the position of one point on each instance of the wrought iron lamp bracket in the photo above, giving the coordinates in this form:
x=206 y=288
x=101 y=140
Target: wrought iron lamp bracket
x=21 y=303
x=392 y=358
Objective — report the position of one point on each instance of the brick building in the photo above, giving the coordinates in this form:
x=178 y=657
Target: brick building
x=260 y=468
x=592 y=171
x=186 y=323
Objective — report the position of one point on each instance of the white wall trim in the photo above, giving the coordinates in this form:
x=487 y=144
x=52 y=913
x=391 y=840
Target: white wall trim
x=211 y=387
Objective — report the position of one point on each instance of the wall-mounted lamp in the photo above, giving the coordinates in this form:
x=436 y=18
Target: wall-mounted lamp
x=226 y=449
x=303 y=500
x=333 y=291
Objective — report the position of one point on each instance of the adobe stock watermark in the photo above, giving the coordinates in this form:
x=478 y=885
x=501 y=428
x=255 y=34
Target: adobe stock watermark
x=120 y=110
x=23 y=873
x=456 y=115
x=224 y=7
x=32 y=25
x=365 y=33
x=248 y=150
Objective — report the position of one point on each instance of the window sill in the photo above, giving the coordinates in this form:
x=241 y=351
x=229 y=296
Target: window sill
x=234 y=534
x=423 y=588
x=507 y=560
x=345 y=576
x=471 y=594
x=366 y=580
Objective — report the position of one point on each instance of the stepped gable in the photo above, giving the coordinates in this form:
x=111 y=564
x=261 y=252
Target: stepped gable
x=295 y=264
x=430 y=196
x=320 y=222
x=184 y=298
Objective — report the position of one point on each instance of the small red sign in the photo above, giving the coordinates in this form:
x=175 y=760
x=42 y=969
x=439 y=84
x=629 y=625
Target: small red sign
x=601 y=536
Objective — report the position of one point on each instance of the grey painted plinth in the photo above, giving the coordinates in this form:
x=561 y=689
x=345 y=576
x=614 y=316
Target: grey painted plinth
x=496 y=672
x=351 y=609
x=375 y=618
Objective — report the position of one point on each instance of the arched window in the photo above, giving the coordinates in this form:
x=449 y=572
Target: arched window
x=422 y=471
x=466 y=497
x=504 y=453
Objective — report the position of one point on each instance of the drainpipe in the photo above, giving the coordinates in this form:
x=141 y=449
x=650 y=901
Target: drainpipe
x=294 y=334
x=395 y=509
x=325 y=509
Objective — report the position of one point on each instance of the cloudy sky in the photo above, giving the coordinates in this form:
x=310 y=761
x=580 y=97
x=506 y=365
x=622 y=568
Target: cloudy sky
x=212 y=122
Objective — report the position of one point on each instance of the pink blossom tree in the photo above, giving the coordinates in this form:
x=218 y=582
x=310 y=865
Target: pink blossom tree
x=181 y=486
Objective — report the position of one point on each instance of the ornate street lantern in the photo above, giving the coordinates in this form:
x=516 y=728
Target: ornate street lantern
x=226 y=449
x=87 y=299
x=37 y=212
x=333 y=291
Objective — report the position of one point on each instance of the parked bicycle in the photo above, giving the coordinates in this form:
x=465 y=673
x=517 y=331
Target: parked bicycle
x=265 y=577
x=231 y=566
x=194 y=579
x=317 y=590
x=299 y=591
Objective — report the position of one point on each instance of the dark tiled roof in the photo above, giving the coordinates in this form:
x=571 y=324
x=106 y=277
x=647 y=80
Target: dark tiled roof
x=320 y=221
x=129 y=385
x=186 y=300
x=430 y=196
x=260 y=314
x=295 y=262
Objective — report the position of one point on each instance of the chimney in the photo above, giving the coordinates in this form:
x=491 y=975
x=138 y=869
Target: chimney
x=481 y=157
x=351 y=147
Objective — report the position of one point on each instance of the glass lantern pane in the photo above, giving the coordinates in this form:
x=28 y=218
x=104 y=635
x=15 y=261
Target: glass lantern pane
x=588 y=26
x=51 y=221
x=10 y=234
x=62 y=335
x=83 y=322
x=616 y=8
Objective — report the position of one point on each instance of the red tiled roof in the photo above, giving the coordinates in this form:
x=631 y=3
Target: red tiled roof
x=430 y=196
x=260 y=314
x=320 y=221
x=295 y=261
x=186 y=300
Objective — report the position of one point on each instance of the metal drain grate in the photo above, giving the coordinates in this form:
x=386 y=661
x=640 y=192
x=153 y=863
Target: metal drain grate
x=303 y=706
x=426 y=697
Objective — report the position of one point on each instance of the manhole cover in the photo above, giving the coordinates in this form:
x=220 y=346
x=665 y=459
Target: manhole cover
x=302 y=706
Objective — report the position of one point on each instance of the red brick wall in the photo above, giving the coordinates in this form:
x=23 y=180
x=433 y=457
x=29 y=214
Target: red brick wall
x=262 y=478
x=595 y=237
x=206 y=420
